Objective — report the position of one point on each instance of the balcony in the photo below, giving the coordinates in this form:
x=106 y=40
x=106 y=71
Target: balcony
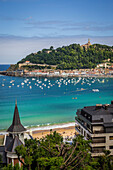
x=88 y=129
x=84 y=118
x=98 y=141
x=82 y=124
x=98 y=150
x=77 y=130
x=99 y=132
x=97 y=154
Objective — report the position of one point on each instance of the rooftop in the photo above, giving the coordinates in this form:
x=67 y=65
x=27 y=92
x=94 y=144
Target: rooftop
x=95 y=110
x=16 y=126
x=12 y=143
x=103 y=112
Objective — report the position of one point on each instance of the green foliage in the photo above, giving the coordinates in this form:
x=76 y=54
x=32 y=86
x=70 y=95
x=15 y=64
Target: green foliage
x=10 y=167
x=0 y=161
x=50 y=163
x=51 y=153
x=105 y=161
x=72 y=56
x=29 y=152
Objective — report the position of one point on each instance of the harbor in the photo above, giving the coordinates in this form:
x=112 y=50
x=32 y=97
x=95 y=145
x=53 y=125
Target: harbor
x=45 y=101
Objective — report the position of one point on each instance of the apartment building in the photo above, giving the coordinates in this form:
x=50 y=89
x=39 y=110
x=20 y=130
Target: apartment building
x=96 y=123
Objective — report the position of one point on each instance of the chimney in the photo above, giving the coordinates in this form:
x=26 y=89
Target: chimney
x=111 y=101
x=106 y=106
x=98 y=106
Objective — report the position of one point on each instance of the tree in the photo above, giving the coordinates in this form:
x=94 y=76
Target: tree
x=28 y=153
x=105 y=161
x=51 y=48
x=52 y=153
x=10 y=167
x=94 y=55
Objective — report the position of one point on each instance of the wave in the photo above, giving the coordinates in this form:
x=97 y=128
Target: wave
x=55 y=126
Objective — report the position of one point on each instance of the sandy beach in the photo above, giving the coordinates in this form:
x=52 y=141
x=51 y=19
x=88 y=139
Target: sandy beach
x=66 y=130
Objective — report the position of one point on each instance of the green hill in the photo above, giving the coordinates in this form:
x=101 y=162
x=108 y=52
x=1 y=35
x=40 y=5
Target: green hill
x=71 y=57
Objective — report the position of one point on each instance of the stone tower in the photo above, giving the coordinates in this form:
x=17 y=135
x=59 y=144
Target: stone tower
x=87 y=44
x=89 y=41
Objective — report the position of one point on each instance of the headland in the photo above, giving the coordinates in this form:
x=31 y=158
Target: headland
x=74 y=60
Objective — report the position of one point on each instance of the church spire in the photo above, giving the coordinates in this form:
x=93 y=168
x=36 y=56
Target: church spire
x=16 y=124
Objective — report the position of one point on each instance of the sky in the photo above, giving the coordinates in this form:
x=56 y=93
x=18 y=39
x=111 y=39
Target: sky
x=28 y=26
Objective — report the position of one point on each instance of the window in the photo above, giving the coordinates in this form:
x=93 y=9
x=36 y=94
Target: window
x=81 y=131
x=9 y=160
x=111 y=138
x=110 y=147
x=84 y=133
x=98 y=140
x=88 y=136
x=98 y=149
x=88 y=126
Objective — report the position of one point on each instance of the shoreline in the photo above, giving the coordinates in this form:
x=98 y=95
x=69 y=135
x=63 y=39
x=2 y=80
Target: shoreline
x=44 y=128
x=5 y=73
x=49 y=127
x=66 y=130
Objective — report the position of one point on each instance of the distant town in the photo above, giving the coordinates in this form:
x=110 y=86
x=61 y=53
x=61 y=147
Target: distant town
x=102 y=70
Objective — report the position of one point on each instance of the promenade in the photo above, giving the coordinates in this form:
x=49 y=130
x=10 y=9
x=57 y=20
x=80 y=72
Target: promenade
x=60 y=73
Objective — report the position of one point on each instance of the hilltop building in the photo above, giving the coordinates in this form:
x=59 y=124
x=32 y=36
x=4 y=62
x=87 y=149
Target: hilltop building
x=15 y=137
x=96 y=123
x=87 y=44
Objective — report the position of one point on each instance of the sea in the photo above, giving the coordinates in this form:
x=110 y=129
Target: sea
x=49 y=101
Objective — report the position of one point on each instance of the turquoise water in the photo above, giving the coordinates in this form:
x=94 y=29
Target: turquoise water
x=42 y=105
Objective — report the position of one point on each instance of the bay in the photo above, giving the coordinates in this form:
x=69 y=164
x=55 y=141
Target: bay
x=4 y=67
x=49 y=101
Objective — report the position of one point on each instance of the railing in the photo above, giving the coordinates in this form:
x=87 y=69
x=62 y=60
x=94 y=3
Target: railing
x=76 y=118
x=85 y=119
x=83 y=125
x=94 y=132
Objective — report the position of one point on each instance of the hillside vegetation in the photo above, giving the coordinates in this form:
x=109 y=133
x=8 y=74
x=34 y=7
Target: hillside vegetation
x=72 y=57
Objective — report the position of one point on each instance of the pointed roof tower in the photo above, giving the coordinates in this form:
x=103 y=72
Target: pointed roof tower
x=16 y=126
